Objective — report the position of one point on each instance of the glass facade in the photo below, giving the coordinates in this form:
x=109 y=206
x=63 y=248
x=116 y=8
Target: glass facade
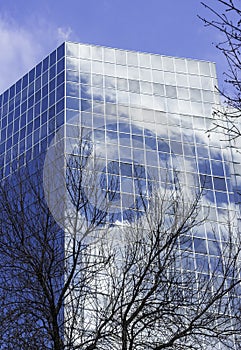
x=140 y=114
x=142 y=117
x=31 y=111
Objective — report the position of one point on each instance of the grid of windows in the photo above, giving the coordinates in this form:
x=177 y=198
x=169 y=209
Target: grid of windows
x=148 y=84
x=145 y=116
x=152 y=111
x=31 y=111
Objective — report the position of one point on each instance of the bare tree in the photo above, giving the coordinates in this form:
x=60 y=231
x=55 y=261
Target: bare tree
x=227 y=21
x=91 y=283
x=46 y=265
x=152 y=297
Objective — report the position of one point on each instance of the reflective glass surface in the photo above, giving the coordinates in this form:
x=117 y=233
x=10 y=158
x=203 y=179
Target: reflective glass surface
x=31 y=110
x=142 y=116
x=147 y=115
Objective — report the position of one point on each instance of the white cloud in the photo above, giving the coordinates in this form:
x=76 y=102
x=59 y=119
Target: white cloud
x=23 y=46
x=64 y=33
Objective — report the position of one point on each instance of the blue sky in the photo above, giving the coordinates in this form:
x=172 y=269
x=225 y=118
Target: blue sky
x=30 y=29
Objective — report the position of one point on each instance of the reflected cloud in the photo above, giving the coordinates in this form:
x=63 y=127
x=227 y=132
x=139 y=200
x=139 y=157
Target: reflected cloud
x=163 y=132
x=64 y=33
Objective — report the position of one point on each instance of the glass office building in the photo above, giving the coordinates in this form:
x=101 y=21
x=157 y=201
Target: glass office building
x=139 y=112
x=143 y=118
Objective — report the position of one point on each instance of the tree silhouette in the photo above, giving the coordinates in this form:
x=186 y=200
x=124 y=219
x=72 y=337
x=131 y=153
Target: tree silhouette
x=87 y=282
